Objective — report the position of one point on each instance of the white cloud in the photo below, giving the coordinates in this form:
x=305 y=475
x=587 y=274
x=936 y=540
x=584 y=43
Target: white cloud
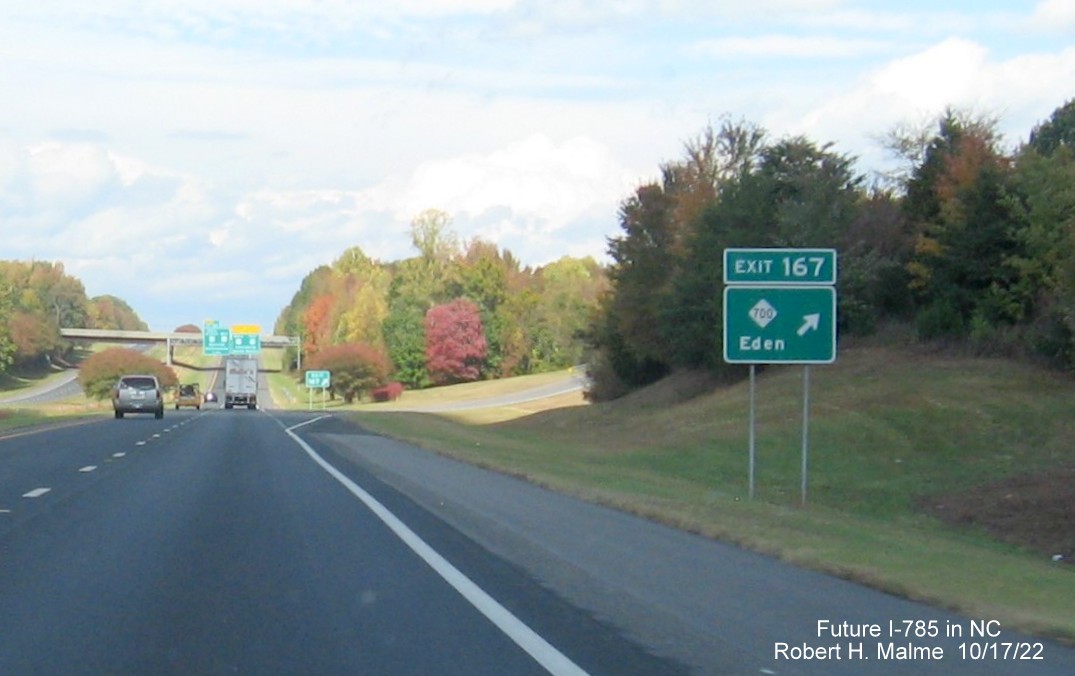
x=947 y=73
x=244 y=142
x=1054 y=16
x=67 y=176
x=787 y=46
x=534 y=177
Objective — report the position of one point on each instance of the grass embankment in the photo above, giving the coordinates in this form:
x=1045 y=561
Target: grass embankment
x=25 y=380
x=888 y=429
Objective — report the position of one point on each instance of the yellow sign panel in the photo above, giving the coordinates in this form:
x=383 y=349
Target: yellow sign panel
x=245 y=328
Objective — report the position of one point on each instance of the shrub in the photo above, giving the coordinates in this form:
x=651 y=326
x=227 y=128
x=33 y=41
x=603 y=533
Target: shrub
x=100 y=371
x=389 y=392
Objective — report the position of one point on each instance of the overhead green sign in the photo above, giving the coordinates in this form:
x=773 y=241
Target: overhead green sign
x=216 y=339
x=245 y=343
x=779 y=324
x=780 y=266
x=318 y=379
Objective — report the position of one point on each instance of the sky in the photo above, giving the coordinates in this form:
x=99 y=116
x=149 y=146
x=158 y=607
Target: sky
x=197 y=158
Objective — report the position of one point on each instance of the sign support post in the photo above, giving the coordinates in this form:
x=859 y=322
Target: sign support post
x=750 y=490
x=806 y=425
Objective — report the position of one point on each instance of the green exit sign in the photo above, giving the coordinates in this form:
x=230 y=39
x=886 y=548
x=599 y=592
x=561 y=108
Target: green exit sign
x=318 y=379
x=216 y=339
x=780 y=266
x=779 y=324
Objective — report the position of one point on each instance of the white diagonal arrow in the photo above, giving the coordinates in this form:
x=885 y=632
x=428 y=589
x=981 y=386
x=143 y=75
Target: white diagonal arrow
x=810 y=322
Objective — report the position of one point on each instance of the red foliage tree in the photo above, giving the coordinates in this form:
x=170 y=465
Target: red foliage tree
x=455 y=342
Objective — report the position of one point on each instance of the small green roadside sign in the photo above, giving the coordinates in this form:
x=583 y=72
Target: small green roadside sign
x=318 y=379
x=768 y=324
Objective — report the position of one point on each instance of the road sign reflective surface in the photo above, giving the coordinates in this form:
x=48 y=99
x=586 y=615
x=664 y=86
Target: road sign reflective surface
x=779 y=324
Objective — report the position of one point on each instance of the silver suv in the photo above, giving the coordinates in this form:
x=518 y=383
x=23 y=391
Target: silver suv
x=138 y=394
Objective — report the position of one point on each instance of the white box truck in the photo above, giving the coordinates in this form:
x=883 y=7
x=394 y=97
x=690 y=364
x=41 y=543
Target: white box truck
x=240 y=382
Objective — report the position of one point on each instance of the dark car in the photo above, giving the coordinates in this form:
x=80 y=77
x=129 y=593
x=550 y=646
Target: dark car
x=138 y=394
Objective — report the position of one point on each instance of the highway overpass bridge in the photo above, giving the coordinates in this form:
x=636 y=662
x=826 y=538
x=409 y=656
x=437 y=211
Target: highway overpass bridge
x=170 y=339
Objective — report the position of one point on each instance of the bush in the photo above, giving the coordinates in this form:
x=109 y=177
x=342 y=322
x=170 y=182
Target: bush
x=389 y=392
x=100 y=371
x=940 y=319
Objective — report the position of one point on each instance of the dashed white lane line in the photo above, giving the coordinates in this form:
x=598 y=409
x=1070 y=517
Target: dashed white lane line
x=118 y=455
x=36 y=493
x=140 y=443
x=88 y=468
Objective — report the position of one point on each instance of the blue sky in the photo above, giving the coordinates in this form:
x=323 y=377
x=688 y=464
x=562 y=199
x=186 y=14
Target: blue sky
x=198 y=157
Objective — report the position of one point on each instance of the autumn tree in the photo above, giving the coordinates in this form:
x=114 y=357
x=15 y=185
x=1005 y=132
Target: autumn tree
x=961 y=268
x=455 y=342
x=1042 y=204
x=42 y=298
x=360 y=291
x=568 y=293
x=417 y=285
x=110 y=312
x=7 y=345
x=317 y=324
x=480 y=274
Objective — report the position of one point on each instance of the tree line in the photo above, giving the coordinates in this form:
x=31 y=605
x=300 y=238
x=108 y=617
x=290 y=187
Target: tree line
x=454 y=312
x=37 y=299
x=968 y=242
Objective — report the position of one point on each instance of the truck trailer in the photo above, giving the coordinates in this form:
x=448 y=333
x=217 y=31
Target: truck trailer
x=240 y=382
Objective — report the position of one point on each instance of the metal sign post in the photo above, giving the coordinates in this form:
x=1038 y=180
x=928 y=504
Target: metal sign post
x=750 y=492
x=806 y=427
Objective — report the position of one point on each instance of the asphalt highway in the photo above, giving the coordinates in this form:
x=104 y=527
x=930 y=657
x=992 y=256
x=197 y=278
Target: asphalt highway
x=268 y=542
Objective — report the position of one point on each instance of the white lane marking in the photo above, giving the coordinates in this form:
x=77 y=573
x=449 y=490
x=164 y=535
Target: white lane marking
x=118 y=455
x=5 y=511
x=526 y=638
x=88 y=468
x=140 y=443
x=156 y=436
x=36 y=493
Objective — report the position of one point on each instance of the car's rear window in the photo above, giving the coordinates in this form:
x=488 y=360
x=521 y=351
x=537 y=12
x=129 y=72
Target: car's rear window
x=186 y=390
x=138 y=383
